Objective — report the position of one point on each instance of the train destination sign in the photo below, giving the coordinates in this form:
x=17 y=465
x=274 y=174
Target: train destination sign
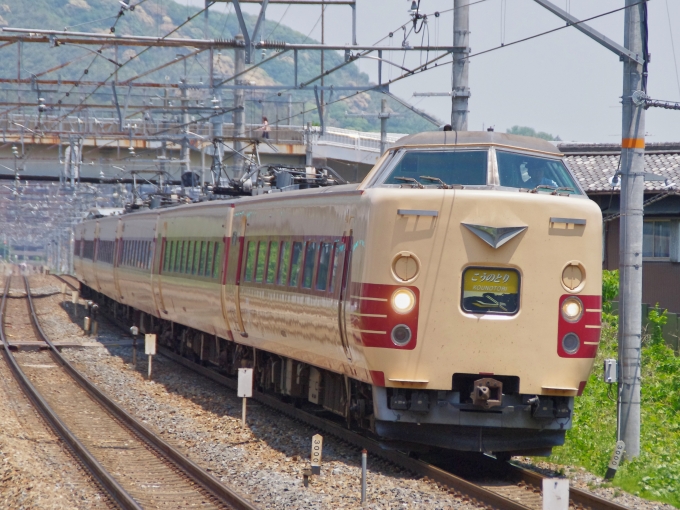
x=490 y=290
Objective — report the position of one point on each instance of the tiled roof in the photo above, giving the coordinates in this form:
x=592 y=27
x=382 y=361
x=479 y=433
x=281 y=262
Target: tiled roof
x=595 y=164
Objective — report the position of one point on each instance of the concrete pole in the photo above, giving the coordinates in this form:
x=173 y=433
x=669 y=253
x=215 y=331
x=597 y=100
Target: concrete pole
x=239 y=115
x=185 y=157
x=630 y=245
x=309 y=152
x=461 y=41
x=383 y=126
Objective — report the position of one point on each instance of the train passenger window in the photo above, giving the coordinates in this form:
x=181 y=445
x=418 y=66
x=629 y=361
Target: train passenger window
x=464 y=167
x=197 y=255
x=523 y=171
x=209 y=260
x=272 y=261
x=296 y=262
x=250 y=260
x=310 y=260
x=172 y=248
x=201 y=251
x=284 y=264
x=261 y=254
x=190 y=256
x=178 y=257
x=338 y=261
x=217 y=260
x=324 y=264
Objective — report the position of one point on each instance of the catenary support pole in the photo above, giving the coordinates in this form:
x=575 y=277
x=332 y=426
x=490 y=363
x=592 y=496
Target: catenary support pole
x=384 y=115
x=459 y=77
x=630 y=244
x=239 y=115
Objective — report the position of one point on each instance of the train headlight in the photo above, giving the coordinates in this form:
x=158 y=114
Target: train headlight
x=572 y=309
x=571 y=343
x=401 y=335
x=403 y=300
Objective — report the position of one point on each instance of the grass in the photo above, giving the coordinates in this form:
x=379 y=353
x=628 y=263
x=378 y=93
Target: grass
x=655 y=474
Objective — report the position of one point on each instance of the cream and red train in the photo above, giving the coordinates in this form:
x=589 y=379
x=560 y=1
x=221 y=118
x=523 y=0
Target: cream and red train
x=451 y=300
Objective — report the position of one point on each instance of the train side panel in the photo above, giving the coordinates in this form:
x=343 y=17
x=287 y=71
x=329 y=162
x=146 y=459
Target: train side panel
x=193 y=250
x=136 y=252
x=286 y=276
x=106 y=253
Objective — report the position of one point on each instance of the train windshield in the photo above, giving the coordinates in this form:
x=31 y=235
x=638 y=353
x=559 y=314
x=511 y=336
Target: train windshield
x=421 y=168
x=536 y=173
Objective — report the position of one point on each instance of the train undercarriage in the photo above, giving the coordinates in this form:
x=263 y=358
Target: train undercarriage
x=343 y=399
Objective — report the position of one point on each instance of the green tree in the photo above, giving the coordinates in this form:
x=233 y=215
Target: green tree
x=528 y=131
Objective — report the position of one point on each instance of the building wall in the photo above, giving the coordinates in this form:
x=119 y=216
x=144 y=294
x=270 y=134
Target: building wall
x=660 y=280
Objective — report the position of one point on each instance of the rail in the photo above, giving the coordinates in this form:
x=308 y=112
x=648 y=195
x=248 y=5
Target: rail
x=225 y=495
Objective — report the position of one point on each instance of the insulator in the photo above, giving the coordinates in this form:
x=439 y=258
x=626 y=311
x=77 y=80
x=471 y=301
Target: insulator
x=273 y=45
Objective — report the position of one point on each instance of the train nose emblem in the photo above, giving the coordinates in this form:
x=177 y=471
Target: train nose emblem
x=487 y=392
x=495 y=236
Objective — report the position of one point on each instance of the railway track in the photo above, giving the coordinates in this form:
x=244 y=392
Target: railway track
x=135 y=467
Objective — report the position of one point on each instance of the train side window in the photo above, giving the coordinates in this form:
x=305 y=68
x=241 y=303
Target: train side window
x=209 y=259
x=143 y=254
x=324 y=264
x=178 y=256
x=250 y=261
x=185 y=256
x=201 y=252
x=272 y=261
x=310 y=260
x=284 y=264
x=338 y=262
x=261 y=255
x=195 y=252
x=190 y=257
x=219 y=253
x=296 y=262
x=173 y=254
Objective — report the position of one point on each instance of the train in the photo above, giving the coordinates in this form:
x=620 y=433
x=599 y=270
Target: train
x=451 y=300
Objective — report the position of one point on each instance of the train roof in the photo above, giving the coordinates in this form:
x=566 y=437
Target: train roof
x=455 y=138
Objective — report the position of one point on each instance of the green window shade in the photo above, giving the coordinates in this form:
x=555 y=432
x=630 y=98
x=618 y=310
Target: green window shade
x=202 y=254
x=261 y=255
x=190 y=256
x=197 y=254
x=166 y=255
x=209 y=261
x=250 y=261
x=296 y=262
x=217 y=264
x=310 y=260
x=284 y=265
x=273 y=261
x=173 y=254
x=324 y=265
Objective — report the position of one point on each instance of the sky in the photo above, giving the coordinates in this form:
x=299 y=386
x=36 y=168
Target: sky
x=562 y=83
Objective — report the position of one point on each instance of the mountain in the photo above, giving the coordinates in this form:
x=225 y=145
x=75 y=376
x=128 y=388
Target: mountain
x=159 y=17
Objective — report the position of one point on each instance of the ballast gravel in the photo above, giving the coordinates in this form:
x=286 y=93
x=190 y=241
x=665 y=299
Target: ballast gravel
x=265 y=461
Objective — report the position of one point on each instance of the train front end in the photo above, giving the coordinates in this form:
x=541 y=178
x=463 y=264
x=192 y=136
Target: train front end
x=479 y=311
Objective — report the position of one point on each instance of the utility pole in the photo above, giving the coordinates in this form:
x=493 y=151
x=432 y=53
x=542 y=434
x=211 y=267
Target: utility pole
x=384 y=115
x=239 y=114
x=323 y=41
x=461 y=41
x=630 y=243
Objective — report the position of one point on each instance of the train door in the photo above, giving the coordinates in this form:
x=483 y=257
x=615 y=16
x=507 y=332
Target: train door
x=232 y=305
x=95 y=256
x=156 y=268
x=230 y=250
x=118 y=248
x=342 y=260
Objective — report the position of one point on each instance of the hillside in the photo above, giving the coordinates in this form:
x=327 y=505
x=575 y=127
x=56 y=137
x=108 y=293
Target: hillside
x=157 y=18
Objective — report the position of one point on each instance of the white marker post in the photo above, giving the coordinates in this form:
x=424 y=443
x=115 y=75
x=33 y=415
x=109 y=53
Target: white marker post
x=555 y=494
x=245 y=389
x=317 y=449
x=150 y=348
